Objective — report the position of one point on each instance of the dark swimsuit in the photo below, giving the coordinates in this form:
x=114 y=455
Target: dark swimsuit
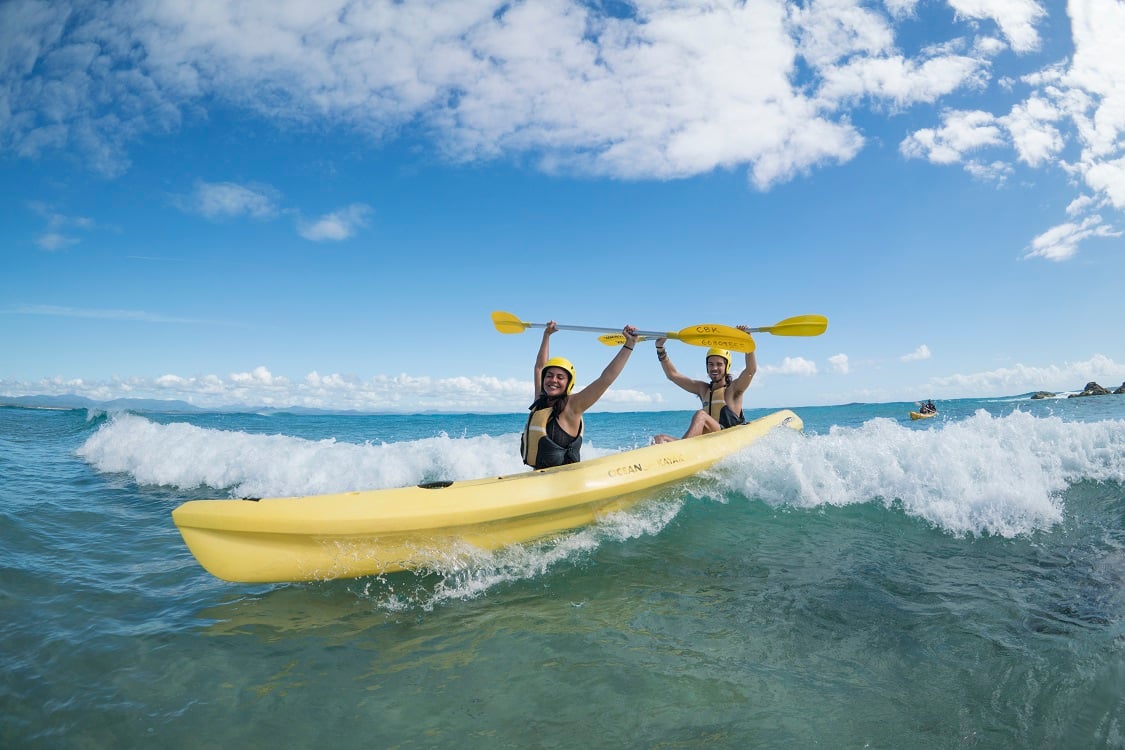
x=555 y=447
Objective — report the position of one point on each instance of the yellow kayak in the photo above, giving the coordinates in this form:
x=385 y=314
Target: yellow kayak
x=920 y=415
x=370 y=532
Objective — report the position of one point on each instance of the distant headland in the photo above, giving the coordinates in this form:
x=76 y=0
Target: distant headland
x=1091 y=389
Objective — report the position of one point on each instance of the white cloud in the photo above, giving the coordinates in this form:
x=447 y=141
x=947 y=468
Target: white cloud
x=1108 y=178
x=338 y=225
x=901 y=8
x=52 y=241
x=413 y=394
x=661 y=93
x=1080 y=205
x=1016 y=19
x=922 y=352
x=839 y=363
x=791 y=366
x=901 y=80
x=221 y=200
x=53 y=238
x=830 y=30
x=997 y=171
x=961 y=132
x=102 y=314
x=261 y=387
x=1061 y=242
x=1094 y=84
x=1032 y=131
x=259 y=376
x=665 y=90
x=1069 y=376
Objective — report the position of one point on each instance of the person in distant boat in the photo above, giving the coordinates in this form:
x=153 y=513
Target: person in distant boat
x=928 y=407
x=553 y=434
x=721 y=394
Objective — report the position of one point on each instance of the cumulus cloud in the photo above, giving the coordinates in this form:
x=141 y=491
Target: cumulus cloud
x=1016 y=19
x=337 y=225
x=1078 y=104
x=922 y=352
x=261 y=387
x=653 y=90
x=1025 y=378
x=51 y=241
x=839 y=363
x=54 y=237
x=1031 y=125
x=791 y=366
x=225 y=200
x=1061 y=242
x=960 y=133
x=660 y=91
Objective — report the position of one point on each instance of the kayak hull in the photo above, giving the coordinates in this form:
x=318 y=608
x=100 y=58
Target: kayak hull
x=351 y=534
x=920 y=415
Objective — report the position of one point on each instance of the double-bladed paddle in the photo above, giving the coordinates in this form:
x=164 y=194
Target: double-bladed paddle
x=705 y=334
x=798 y=325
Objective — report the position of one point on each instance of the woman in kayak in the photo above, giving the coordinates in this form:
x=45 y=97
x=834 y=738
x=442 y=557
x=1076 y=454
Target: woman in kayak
x=553 y=434
x=721 y=395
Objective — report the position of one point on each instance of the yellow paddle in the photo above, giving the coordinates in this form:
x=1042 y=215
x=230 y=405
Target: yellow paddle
x=798 y=325
x=705 y=334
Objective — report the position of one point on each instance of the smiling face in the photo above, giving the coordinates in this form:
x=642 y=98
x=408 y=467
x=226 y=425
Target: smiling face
x=555 y=380
x=716 y=368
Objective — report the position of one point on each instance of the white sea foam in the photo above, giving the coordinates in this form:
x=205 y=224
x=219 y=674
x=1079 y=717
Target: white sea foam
x=243 y=464
x=982 y=475
x=469 y=572
x=254 y=465
x=250 y=465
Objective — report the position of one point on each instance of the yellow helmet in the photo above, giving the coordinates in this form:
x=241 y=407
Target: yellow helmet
x=715 y=351
x=563 y=363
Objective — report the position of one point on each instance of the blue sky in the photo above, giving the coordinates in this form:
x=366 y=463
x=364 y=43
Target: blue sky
x=320 y=204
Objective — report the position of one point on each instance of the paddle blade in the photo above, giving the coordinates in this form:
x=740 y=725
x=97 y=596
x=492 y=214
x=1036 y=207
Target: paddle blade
x=505 y=322
x=616 y=339
x=743 y=344
x=716 y=334
x=800 y=325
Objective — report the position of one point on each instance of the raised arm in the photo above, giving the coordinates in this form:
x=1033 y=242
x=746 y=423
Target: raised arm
x=542 y=357
x=742 y=382
x=582 y=400
x=688 y=384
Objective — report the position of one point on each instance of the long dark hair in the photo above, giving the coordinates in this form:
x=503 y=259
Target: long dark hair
x=557 y=403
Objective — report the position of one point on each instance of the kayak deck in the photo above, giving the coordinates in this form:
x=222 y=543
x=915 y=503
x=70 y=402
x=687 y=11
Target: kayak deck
x=351 y=534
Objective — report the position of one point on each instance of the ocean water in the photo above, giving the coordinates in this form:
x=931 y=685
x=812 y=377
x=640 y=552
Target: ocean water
x=871 y=583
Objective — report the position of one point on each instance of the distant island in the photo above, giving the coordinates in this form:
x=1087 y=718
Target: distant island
x=1091 y=389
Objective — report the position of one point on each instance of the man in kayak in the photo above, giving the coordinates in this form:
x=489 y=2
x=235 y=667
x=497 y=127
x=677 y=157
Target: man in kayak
x=553 y=434
x=928 y=407
x=721 y=395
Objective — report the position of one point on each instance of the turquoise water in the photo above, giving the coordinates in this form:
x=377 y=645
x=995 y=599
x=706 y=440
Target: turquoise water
x=958 y=582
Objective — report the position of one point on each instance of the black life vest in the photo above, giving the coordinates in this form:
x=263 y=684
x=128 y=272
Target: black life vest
x=715 y=404
x=545 y=443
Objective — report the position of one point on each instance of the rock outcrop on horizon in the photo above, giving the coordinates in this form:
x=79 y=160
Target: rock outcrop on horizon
x=1043 y=394
x=1093 y=389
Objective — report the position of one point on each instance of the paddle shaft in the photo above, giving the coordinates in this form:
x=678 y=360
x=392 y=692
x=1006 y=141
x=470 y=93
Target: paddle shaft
x=596 y=329
x=704 y=334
